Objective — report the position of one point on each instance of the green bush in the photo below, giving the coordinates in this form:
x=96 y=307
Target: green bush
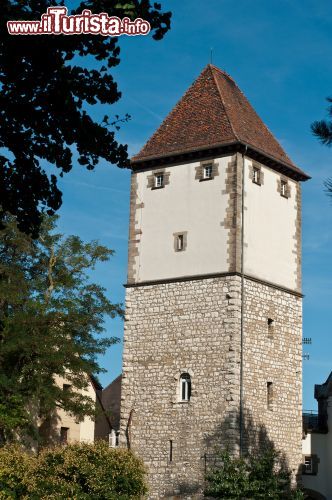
x=251 y=478
x=78 y=471
x=16 y=469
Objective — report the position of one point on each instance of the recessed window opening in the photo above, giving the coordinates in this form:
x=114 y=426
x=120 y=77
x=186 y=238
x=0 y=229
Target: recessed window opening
x=180 y=242
x=159 y=180
x=185 y=387
x=66 y=387
x=269 y=390
x=283 y=188
x=308 y=465
x=207 y=171
x=256 y=176
x=171 y=450
x=64 y=431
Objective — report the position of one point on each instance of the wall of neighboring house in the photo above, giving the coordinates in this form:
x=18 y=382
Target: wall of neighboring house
x=317 y=447
x=65 y=428
x=109 y=418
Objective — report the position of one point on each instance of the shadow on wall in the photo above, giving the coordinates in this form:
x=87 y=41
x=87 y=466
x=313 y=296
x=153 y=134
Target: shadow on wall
x=48 y=431
x=226 y=436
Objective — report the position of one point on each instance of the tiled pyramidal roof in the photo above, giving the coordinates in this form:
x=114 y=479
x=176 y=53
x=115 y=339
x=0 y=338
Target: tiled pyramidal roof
x=213 y=113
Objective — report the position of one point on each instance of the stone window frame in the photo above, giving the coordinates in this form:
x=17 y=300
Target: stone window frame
x=283 y=181
x=254 y=167
x=314 y=461
x=199 y=171
x=151 y=184
x=184 y=241
x=177 y=377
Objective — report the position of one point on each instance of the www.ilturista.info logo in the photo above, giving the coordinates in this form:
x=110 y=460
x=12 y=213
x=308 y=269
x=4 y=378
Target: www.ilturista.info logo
x=57 y=22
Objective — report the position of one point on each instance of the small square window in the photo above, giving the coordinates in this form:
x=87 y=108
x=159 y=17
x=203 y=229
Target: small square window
x=256 y=176
x=66 y=387
x=308 y=465
x=159 y=180
x=207 y=171
x=284 y=188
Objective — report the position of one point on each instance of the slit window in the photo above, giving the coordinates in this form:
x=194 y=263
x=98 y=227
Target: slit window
x=269 y=391
x=256 y=176
x=171 y=450
x=180 y=242
x=284 y=188
x=158 y=180
x=270 y=326
x=185 y=387
x=207 y=171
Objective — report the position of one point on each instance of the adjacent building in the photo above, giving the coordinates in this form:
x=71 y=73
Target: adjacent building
x=213 y=332
x=317 y=445
x=62 y=427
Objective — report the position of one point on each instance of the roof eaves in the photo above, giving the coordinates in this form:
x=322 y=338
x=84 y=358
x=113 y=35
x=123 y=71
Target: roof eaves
x=302 y=175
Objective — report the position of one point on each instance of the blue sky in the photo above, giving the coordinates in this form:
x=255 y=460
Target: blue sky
x=280 y=54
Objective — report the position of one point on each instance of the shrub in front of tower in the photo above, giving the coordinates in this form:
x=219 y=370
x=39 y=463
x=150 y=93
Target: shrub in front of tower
x=77 y=471
x=255 y=477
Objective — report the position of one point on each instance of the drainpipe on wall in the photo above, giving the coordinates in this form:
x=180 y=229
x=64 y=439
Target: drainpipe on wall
x=242 y=306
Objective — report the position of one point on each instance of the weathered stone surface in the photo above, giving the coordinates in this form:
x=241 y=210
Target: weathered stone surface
x=195 y=327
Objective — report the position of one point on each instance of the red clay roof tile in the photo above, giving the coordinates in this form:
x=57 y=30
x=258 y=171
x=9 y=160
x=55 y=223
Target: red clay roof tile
x=213 y=112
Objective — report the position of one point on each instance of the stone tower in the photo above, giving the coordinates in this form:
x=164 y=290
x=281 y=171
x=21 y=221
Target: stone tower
x=213 y=332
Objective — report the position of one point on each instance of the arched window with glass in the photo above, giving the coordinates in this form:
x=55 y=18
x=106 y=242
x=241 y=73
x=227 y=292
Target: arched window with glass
x=185 y=387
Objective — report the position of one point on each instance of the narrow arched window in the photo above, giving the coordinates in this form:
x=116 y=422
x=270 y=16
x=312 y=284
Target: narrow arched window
x=185 y=387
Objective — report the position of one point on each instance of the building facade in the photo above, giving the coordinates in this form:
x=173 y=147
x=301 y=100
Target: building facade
x=317 y=445
x=62 y=427
x=213 y=332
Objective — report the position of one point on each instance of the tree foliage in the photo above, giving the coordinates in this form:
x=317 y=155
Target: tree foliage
x=252 y=478
x=78 y=471
x=48 y=87
x=50 y=317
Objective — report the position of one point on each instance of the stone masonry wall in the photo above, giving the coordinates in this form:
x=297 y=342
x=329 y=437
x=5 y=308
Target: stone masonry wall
x=273 y=353
x=195 y=327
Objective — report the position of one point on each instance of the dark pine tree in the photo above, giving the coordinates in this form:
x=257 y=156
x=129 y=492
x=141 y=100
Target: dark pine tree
x=322 y=129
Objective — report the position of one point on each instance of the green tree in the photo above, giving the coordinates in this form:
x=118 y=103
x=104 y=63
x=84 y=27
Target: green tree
x=48 y=87
x=50 y=317
x=251 y=478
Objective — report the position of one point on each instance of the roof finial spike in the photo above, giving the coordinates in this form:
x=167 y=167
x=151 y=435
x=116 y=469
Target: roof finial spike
x=211 y=54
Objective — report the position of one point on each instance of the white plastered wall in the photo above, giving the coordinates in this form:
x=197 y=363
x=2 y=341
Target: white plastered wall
x=87 y=426
x=188 y=205
x=270 y=225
